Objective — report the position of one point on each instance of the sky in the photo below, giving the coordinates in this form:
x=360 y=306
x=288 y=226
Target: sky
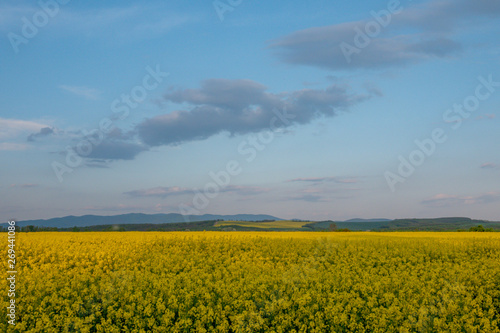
x=311 y=110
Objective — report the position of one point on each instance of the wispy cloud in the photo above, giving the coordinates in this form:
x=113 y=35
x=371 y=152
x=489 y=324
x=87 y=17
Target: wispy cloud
x=245 y=190
x=85 y=92
x=12 y=128
x=308 y=198
x=446 y=200
x=160 y=192
x=373 y=89
x=132 y=22
x=490 y=166
x=339 y=180
x=169 y=191
x=418 y=33
x=144 y=21
x=487 y=116
x=319 y=194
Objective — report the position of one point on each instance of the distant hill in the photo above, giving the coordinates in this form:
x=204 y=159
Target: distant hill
x=177 y=222
x=213 y=225
x=137 y=218
x=436 y=224
x=368 y=220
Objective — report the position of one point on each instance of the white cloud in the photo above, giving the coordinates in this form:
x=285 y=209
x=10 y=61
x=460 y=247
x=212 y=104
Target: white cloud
x=445 y=200
x=167 y=191
x=122 y=22
x=12 y=128
x=411 y=35
x=317 y=180
x=239 y=107
x=86 y=92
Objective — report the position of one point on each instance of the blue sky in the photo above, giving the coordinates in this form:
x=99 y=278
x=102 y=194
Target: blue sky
x=313 y=110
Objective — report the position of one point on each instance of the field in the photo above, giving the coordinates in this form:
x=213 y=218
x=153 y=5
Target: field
x=256 y=282
x=283 y=224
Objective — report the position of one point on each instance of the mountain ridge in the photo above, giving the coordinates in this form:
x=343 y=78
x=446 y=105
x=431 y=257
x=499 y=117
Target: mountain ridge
x=136 y=218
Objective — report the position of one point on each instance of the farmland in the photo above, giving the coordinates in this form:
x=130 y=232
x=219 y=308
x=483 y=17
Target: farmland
x=264 y=225
x=257 y=282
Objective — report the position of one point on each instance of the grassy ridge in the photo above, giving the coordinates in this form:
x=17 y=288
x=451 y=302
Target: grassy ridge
x=264 y=225
x=437 y=224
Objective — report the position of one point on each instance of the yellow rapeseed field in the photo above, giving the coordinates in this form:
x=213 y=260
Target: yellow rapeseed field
x=256 y=282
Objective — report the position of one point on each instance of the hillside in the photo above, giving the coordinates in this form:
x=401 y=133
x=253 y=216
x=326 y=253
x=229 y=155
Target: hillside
x=134 y=218
x=265 y=225
x=248 y=222
x=434 y=224
x=182 y=226
x=438 y=224
x=367 y=220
